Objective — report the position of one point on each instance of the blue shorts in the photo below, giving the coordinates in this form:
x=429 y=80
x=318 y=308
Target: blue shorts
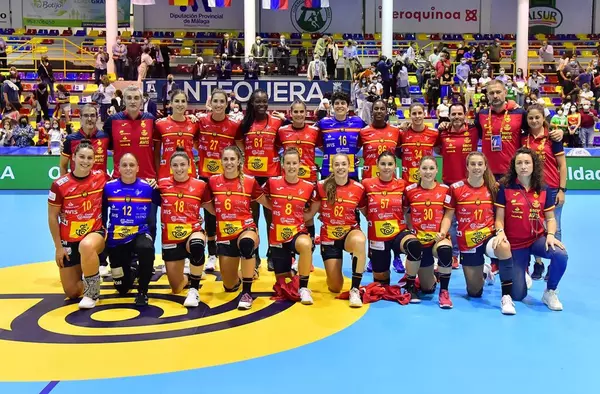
x=474 y=257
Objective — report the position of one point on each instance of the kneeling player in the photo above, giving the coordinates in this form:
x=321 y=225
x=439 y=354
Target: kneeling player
x=129 y=200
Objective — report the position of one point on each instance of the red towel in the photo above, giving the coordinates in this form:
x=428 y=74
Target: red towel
x=287 y=290
x=375 y=291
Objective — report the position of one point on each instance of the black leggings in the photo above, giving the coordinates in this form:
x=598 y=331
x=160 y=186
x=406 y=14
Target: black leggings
x=121 y=257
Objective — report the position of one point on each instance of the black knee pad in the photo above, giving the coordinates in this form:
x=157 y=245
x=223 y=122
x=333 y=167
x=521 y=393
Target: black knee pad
x=246 y=247
x=475 y=295
x=413 y=249
x=444 y=253
x=197 y=251
x=429 y=291
x=234 y=288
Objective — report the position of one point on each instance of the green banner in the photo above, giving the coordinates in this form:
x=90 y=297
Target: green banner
x=72 y=13
x=38 y=172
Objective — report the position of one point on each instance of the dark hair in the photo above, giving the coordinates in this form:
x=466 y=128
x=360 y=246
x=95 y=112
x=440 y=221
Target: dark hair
x=386 y=153
x=416 y=104
x=329 y=184
x=459 y=104
x=488 y=178
x=176 y=92
x=536 y=107
x=423 y=159
x=238 y=152
x=379 y=100
x=340 y=95
x=180 y=152
x=290 y=151
x=537 y=176
x=84 y=144
x=249 y=116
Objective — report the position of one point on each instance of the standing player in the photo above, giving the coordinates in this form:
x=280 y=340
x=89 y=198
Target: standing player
x=126 y=203
x=340 y=135
x=181 y=197
x=337 y=199
x=217 y=132
x=454 y=144
x=415 y=143
x=288 y=236
x=472 y=201
x=425 y=203
x=525 y=217
x=305 y=139
x=553 y=159
x=75 y=222
x=261 y=147
x=231 y=195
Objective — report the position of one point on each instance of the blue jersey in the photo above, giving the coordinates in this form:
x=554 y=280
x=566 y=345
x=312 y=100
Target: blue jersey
x=127 y=208
x=340 y=137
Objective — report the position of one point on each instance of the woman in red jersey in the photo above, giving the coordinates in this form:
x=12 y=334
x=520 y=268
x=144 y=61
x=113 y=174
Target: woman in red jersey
x=305 y=138
x=472 y=201
x=217 y=132
x=288 y=234
x=377 y=138
x=525 y=217
x=181 y=197
x=415 y=142
x=425 y=204
x=75 y=222
x=337 y=198
x=231 y=194
x=554 y=162
x=258 y=133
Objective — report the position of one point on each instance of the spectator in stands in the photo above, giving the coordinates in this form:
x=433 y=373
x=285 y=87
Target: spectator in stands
x=535 y=81
x=251 y=69
x=446 y=82
x=117 y=101
x=442 y=111
x=462 y=49
x=383 y=68
x=392 y=108
x=434 y=57
x=149 y=106
x=321 y=45
x=502 y=76
x=546 y=54
x=43 y=130
x=56 y=138
x=411 y=56
x=119 y=53
x=165 y=55
x=236 y=113
x=586 y=94
x=422 y=63
x=199 y=69
x=145 y=63
x=570 y=90
x=46 y=75
x=469 y=87
x=23 y=133
x=134 y=54
x=495 y=54
x=520 y=82
x=316 y=70
x=484 y=65
x=574 y=120
x=559 y=121
x=63 y=103
x=403 y=84
x=226 y=46
x=302 y=58
x=159 y=62
x=41 y=95
x=585 y=77
x=331 y=58
x=259 y=50
x=571 y=67
x=463 y=70
x=589 y=117
x=6 y=132
x=432 y=88
x=100 y=66
x=511 y=90
x=596 y=86
x=283 y=53
x=349 y=54
x=11 y=92
x=223 y=68
x=3 y=63
x=166 y=94
x=359 y=92
x=107 y=90
x=442 y=64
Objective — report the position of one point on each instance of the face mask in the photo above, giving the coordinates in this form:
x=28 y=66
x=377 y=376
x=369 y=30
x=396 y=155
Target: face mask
x=236 y=110
x=258 y=41
x=463 y=61
x=485 y=74
x=528 y=101
x=501 y=72
x=484 y=58
x=199 y=60
x=497 y=44
x=363 y=81
x=379 y=80
x=573 y=109
x=585 y=89
x=118 y=42
x=560 y=112
x=586 y=107
x=509 y=84
x=46 y=126
x=250 y=59
x=534 y=75
x=317 y=59
x=573 y=63
x=473 y=81
x=519 y=73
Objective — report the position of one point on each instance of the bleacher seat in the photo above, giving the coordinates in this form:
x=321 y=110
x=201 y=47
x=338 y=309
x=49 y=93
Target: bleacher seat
x=414 y=89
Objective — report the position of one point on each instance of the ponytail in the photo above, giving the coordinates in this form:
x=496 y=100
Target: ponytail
x=180 y=152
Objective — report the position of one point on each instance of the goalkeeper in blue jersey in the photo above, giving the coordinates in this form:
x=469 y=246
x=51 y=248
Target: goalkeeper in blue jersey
x=340 y=135
x=127 y=207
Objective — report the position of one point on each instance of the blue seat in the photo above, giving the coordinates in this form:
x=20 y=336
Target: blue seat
x=71 y=77
x=478 y=37
x=400 y=114
x=414 y=89
x=358 y=37
x=556 y=101
x=138 y=34
x=552 y=112
x=296 y=36
x=447 y=37
x=200 y=34
x=410 y=36
x=31 y=76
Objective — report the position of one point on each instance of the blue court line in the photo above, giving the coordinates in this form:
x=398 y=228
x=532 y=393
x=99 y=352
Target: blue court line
x=49 y=387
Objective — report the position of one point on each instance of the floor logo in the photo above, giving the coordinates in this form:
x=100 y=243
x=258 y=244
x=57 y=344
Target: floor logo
x=36 y=319
x=310 y=20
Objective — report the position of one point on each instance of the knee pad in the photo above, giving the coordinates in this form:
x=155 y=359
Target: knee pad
x=475 y=295
x=120 y=282
x=197 y=252
x=246 y=247
x=234 y=288
x=444 y=253
x=429 y=291
x=414 y=249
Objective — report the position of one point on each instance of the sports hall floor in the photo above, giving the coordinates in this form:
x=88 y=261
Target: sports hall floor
x=325 y=348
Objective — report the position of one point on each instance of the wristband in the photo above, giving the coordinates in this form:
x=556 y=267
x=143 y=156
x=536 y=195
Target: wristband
x=550 y=234
x=500 y=230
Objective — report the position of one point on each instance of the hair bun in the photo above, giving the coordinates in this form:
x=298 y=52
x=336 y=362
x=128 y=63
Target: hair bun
x=180 y=149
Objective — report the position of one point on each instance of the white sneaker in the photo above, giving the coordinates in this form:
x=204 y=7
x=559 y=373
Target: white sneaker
x=490 y=278
x=295 y=266
x=508 y=306
x=87 y=303
x=103 y=271
x=245 y=302
x=210 y=264
x=305 y=296
x=193 y=298
x=528 y=280
x=550 y=298
x=186 y=267
x=355 y=301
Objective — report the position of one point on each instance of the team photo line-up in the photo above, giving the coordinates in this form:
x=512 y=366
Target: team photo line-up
x=504 y=202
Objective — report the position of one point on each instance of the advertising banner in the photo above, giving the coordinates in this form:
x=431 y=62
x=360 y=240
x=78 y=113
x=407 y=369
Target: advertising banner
x=72 y=13
x=280 y=92
x=199 y=15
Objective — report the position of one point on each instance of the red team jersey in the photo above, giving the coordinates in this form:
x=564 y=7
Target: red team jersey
x=132 y=136
x=305 y=140
x=415 y=145
x=214 y=137
x=548 y=150
x=426 y=207
x=232 y=204
x=339 y=218
x=81 y=204
x=180 y=208
x=474 y=211
x=374 y=142
x=261 y=148
x=384 y=208
x=289 y=201
x=100 y=142
x=173 y=134
x=455 y=147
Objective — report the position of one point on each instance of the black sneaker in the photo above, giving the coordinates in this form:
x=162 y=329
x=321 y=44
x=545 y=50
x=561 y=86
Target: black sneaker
x=414 y=294
x=141 y=299
x=270 y=265
x=538 y=271
x=257 y=264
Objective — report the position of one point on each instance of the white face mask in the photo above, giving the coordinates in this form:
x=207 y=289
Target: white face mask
x=501 y=72
x=236 y=110
x=560 y=113
x=573 y=109
x=586 y=107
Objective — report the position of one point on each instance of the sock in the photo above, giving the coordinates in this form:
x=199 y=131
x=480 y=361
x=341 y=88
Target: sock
x=195 y=281
x=91 y=286
x=383 y=281
x=247 y=285
x=304 y=281
x=506 y=287
x=444 y=281
x=356 y=278
x=212 y=248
